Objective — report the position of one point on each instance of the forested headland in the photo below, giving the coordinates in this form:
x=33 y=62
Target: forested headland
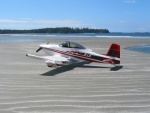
x=55 y=30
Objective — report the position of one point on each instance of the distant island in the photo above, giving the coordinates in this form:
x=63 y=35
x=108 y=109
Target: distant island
x=55 y=30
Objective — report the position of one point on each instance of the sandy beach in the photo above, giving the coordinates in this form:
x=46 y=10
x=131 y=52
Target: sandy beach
x=29 y=86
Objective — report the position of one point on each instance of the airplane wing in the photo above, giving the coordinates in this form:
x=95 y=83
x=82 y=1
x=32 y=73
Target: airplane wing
x=52 y=60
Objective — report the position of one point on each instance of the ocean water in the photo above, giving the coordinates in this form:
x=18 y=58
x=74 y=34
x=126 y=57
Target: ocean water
x=143 y=49
x=95 y=35
x=17 y=38
x=43 y=37
x=8 y=38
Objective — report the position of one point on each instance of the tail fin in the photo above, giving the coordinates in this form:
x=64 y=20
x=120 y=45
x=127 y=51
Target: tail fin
x=114 y=51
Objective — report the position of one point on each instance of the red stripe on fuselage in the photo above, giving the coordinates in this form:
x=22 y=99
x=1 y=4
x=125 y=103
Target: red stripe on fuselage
x=80 y=56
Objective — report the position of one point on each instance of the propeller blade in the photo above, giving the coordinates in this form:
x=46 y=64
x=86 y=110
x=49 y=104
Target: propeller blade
x=38 y=49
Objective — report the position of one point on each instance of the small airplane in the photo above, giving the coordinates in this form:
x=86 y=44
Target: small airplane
x=71 y=52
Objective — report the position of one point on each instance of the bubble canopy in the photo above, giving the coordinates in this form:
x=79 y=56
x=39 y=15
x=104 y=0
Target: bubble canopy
x=69 y=44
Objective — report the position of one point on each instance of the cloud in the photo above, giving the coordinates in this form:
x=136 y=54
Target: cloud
x=122 y=21
x=11 y=21
x=34 y=24
x=130 y=1
x=144 y=28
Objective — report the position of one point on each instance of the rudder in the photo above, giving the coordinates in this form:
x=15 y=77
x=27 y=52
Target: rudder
x=114 y=51
x=114 y=54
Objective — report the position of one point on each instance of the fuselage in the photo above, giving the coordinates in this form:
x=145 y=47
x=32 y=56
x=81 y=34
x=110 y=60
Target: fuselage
x=75 y=53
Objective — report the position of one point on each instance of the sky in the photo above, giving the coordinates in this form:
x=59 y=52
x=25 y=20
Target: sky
x=114 y=15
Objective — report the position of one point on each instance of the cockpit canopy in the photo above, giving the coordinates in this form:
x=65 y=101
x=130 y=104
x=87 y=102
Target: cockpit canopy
x=69 y=44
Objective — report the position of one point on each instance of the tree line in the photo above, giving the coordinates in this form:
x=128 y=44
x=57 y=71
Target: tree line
x=55 y=30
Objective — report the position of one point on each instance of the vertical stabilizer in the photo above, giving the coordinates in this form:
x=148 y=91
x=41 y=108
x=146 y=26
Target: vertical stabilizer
x=114 y=51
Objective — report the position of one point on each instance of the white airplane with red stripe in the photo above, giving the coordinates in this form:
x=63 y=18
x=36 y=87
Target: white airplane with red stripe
x=71 y=52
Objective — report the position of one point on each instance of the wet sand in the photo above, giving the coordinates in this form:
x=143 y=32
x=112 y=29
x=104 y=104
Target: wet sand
x=29 y=86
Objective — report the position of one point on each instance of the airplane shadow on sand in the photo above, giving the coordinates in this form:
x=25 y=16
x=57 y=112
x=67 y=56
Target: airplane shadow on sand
x=66 y=68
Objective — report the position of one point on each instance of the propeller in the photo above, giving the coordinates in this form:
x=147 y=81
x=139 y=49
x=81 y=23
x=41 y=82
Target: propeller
x=39 y=49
